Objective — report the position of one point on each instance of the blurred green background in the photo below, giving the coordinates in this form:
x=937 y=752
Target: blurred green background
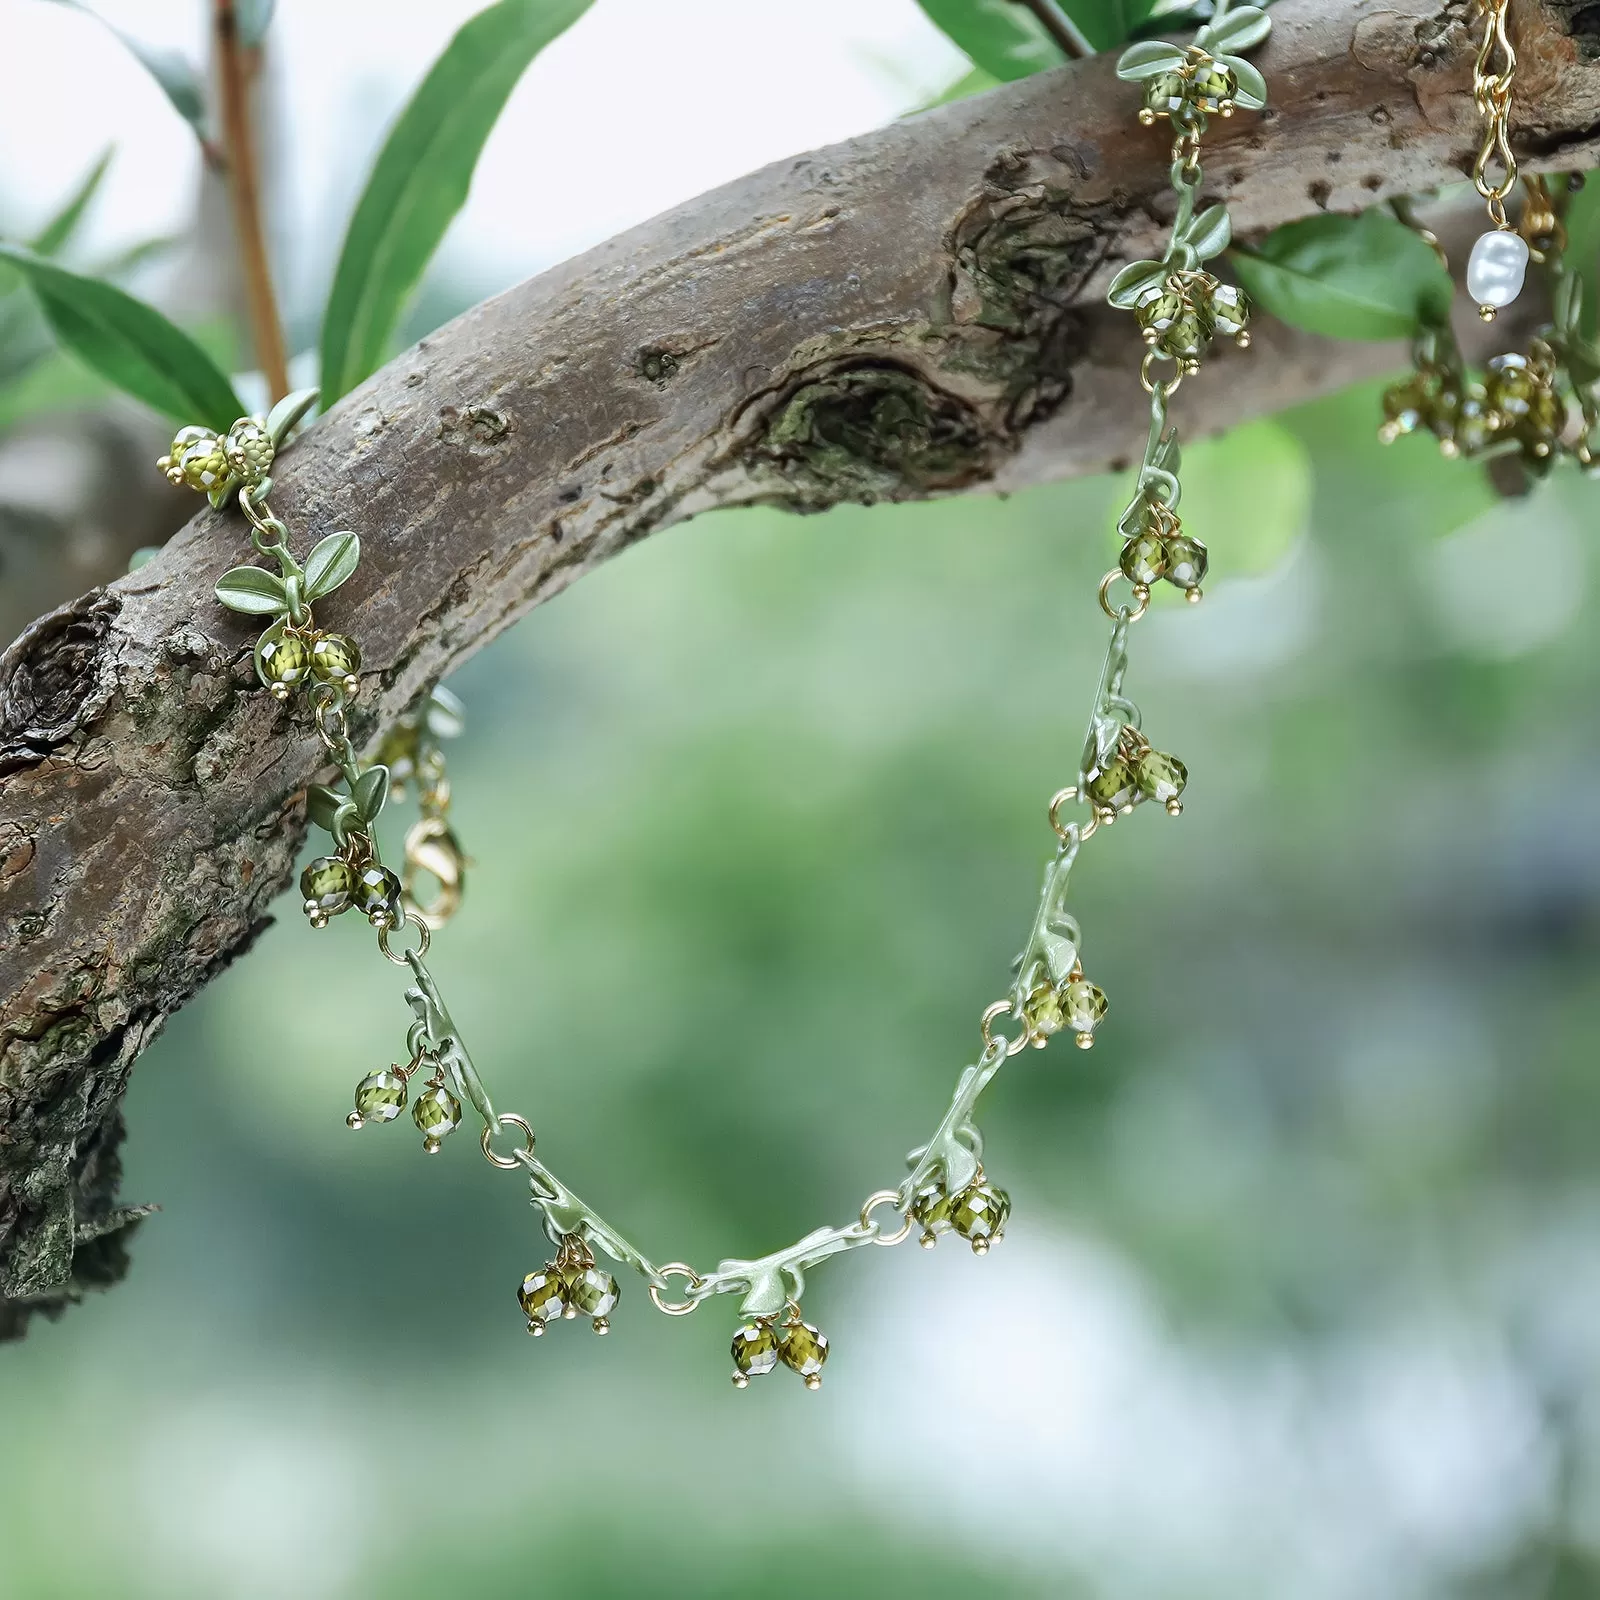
x=1299 y=1298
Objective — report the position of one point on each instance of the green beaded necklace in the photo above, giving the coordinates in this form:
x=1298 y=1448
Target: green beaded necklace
x=1181 y=308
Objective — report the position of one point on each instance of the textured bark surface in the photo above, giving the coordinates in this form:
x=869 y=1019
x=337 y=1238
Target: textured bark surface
x=912 y=313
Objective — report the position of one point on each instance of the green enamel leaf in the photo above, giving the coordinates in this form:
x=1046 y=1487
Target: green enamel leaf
x=421 y=178
x=252 y=590
x=281 y=419
x=57 y=233
x=1365 y=277
x=129 y=343
x=322 y=805
x=1132 y=281
x=1210 y=233
x=1251 y=93
x=1147 y=60
x=331 y=561
x=369 y=793
x=1241 y=29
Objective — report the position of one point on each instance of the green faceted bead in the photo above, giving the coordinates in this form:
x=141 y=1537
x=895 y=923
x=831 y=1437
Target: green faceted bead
x=544 y=1297
x=1185 y=338
x=1165 y=94
x=183 y=441
x=1187 y=560
x=326 y=887
x=336 y=659
x=1144 y=558
x=755 y=1351
x=437 y=1114
x=1161 y=777
x=380 y=1097
x=1211 y=86
x=930 y=1210
x=1230 y=313
x=1405 y=406
x=1474 y=427
x=1085 y=1007
x=979 y=1215
x=377 y=895
x=285 y=661
x=1114 y=787
x=248 y=450
x=593 y=1291
x=804 y=1350
x=1042 y=1013
x=198 y=461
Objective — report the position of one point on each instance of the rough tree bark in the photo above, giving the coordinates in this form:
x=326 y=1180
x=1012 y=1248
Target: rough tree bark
x=915 y=312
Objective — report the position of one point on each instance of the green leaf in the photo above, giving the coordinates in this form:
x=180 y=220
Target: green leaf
x=421 y=178
x=1210 y=233
x=254 y=17
x=130 y=343
x=1251 y=91
x=331 y=561
x=1242 y=28
x=173 y=73
x=1003 y=38
x=322 y=805
x=288 y=411
x=1365 y=277
x=1583 y=249
x=369 y=792
x=1148 y=60
x=58 y=231
x=1130 y=284
x=252 y=590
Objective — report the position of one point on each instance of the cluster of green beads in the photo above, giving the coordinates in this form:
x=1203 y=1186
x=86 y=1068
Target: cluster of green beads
x=760 y=1345
x=1517 y=404
x=1158 y=549
x=1076 y=1006
x=1135 y=772
x=331 y=885
x=977 y=1213
x=570 y=1286
x=381 y=1097
x=1199 y=88
x=215 y=464
x=292 y=658
x=1181 y=314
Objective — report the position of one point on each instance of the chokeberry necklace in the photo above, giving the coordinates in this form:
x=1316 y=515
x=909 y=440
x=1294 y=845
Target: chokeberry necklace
x=1181 y=308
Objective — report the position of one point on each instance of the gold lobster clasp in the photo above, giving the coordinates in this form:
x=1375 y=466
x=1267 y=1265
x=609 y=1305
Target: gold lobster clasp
x=433 y=850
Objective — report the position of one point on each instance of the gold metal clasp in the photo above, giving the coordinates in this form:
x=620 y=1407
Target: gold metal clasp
x=432 y=849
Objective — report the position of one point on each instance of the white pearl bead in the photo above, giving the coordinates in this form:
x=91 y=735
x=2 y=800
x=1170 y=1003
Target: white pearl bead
x=1498 y=264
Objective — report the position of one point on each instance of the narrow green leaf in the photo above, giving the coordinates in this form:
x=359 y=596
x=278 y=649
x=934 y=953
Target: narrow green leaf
x=421 y=178
x=252 y=590
x=58 y=231
x=173 y=73
x=1365 y=277
x=322 y=805
x=1583 y=249
x=1242 y=28
x=1147 y=60
x=369 y=793
x=130 y=343
x=1000 y=36
x=1210 y=233
x=1132 y=281
x=331 y=561
x=288 y=411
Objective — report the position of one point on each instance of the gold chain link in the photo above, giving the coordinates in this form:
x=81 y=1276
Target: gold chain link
x=1492 y=73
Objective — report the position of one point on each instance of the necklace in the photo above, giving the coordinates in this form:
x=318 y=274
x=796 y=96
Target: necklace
x=1181 y=308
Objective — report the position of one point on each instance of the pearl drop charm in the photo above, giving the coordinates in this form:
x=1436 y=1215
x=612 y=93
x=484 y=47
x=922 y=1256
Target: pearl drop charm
x=1496 y=269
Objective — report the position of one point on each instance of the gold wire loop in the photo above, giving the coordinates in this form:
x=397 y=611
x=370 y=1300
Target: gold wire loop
x=676 y=1308
x=1123 y=613
x=1066 y=832
x=884 y=1197
x=1492 y=74
x=1165 y=388
x=424 y=938
x=508 y=1119
x=1002 y=1008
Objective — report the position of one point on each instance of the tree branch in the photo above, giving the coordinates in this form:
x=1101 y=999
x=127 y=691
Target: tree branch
x=914 y=312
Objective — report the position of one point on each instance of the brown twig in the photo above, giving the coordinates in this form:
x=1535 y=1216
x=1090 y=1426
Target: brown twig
x=1061 y=28
x=244 y=190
